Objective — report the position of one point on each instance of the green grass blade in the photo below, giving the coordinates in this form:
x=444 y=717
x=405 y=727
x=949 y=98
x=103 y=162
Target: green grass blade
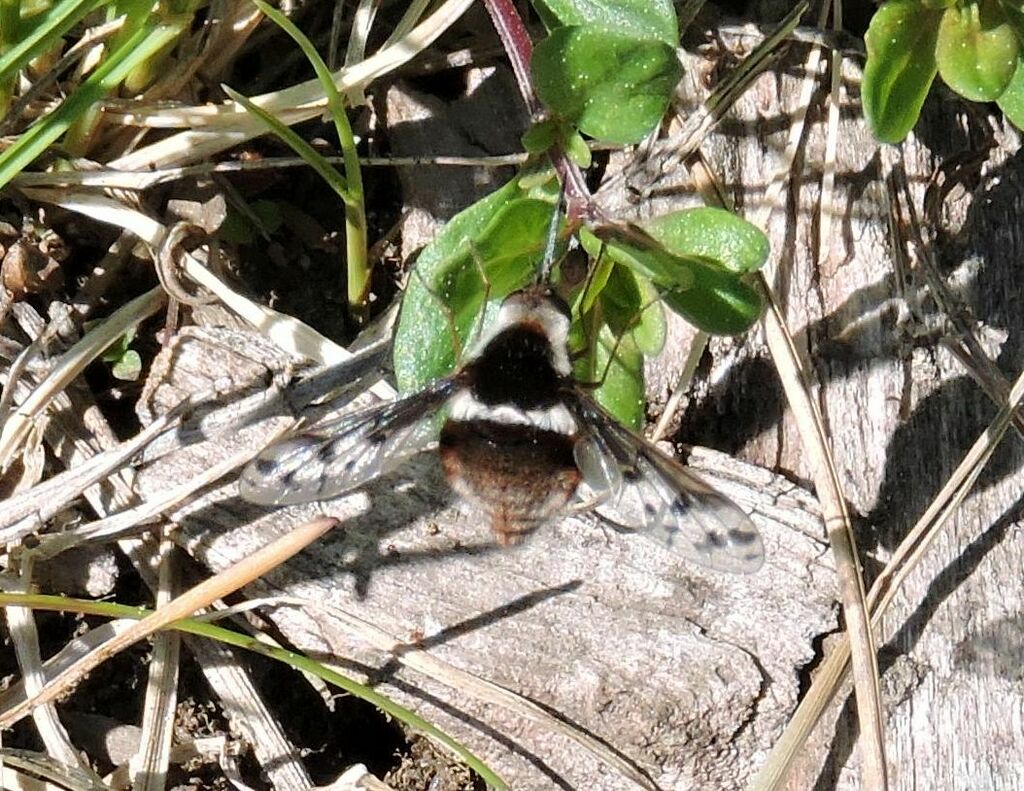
x=335 y=102
x=309 y=155
x=142 y=45
x=45 y=33
x=298 y=661
x=355 y=211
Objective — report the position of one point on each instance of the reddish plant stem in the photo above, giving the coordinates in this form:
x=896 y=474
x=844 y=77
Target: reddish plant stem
x=516 y=40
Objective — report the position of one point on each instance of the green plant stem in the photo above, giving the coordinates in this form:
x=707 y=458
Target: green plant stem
x=10 y=29
x=358 y=269
x=143 y=44
x=43 y=35
x=202 y=628
x=135 y=14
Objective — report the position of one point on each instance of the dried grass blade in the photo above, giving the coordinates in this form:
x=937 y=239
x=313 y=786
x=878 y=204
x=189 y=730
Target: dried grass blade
x=828 y=178
x=71 y=364
x=298 y=661
x=296 y=104
x=22 y=770
x=289 y=333
x=26 y=512
x=21 y=626
x=910 y=551
x=71 y=652
x=841 y=538
x=116 y=524
x=355 y=51
x=198 y=597
x=150 y=763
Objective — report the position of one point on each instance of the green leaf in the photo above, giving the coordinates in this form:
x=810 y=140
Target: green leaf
x=128 y=367
x=977 y=50
x=484 y=252
x=540 y=137
x=578 y=150
x=719 y=305
x=1012 y=100
x=643 y=254
x=710 y=296
x=309 y=155
x=621 y=389
x=652 y=19
x=612 y=86
x=714 y=234
x=1014 y=12
x=651 y=330
x=597 y=276
x=631 y=305
x=900 y=67
x=44 y=33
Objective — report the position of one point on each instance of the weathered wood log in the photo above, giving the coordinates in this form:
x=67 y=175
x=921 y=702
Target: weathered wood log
x=690 y=675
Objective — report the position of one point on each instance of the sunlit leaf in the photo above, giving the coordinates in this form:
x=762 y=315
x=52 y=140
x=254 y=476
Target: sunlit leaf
x=612 y=86
x=714 y=234
x=706 y=293
x=900 y=66
x=128 y=366
x=631 y=305
x=484 y=253
x=614 y=363
x=654 y=19
x=977 y=50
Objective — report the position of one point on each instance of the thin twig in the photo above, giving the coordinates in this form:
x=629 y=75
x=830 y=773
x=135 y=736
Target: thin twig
x=519 y=48
x=833 y=101
x=24 y=635
x=814 y=440
x=29 y=510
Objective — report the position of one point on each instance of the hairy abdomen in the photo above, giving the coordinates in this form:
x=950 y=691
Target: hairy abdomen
x=518 y=475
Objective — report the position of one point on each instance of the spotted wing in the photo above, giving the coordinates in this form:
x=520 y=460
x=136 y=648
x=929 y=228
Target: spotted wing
x=345 y=454
x=647 y=491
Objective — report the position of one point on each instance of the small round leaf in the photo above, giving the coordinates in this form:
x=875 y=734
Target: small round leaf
x=612 y=86
x=715 y=234
x=655 y=19
x=540 y=137
x=900 y=67
x=977 y=50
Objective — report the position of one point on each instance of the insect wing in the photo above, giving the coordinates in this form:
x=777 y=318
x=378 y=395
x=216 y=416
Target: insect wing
x=344 y=455
x=648 y=492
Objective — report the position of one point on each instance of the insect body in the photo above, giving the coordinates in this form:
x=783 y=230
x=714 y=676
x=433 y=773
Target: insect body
x=520 y=440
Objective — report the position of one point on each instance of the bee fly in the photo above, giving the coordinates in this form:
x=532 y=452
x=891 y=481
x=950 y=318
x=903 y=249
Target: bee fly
x=520 y=440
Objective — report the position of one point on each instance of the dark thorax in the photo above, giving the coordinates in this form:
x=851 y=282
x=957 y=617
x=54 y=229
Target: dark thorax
x=515 y=368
